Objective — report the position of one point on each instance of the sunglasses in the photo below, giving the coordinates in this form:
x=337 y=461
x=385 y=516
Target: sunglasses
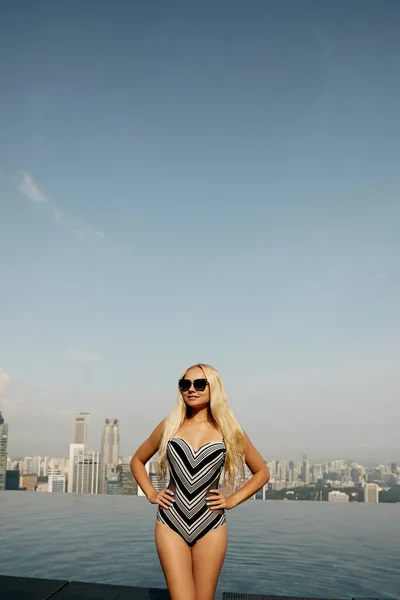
x=198 y=384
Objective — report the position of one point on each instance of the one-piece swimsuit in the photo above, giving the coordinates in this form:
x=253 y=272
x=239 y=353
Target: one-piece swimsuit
x=193 y=473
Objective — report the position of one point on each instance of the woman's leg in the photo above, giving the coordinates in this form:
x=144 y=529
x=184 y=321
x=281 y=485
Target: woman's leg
x=208 y=557
x=176 y=562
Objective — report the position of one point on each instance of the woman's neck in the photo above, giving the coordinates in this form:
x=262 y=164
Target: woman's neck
x=200 y=416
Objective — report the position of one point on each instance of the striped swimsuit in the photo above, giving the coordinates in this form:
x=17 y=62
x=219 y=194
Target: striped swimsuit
x=193 y=473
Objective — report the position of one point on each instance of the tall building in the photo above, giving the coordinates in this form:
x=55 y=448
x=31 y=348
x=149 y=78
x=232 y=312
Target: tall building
x=26 y=466
x=35 y=465
x=81 y=429
x=129 y=485
x=114 y=484
x=74 y=450
x=45 y=466
x=59 y=464
x=305 y=470
x=371 y=493
x=110 y=443
x=3 y=452
x=56 y=483
x=318 y=472
x=85 y=472
x=110 y=452
x=12 y=479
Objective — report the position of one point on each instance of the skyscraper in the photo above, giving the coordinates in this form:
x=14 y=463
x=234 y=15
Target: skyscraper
x=129 y=485
x=317 y=472
x=3 y=452
x=305 y=469
x=371 y=493
x=109 y=451
x=12 y=479
x=81 y=429
x=89 y=473
x=56 y=481
x=74 y=450
x=110 y=443
x=84 y=471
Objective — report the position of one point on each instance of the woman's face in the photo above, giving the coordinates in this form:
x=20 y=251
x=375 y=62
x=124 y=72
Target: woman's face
x=195 y=396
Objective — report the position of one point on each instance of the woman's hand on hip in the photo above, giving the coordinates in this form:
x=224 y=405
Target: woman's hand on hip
x=218 y=500
x=165 y=498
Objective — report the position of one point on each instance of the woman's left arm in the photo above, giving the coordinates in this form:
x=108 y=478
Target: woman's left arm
x=260 y=477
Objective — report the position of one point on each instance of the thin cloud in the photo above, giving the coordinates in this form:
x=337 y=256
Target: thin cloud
x=83 y=356
x=88 y=233
x=78 y=228
x=30 y=190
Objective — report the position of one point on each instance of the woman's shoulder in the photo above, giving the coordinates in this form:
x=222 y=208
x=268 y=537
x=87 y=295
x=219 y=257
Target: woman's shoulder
x=158 y=431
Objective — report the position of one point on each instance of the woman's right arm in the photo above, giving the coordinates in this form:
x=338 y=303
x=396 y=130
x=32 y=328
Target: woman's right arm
x=142 y=455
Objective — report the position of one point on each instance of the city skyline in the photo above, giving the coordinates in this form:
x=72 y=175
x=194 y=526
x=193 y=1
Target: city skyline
x=202 y=182
x=109 y=448
x=90 y=471
x=83 y=433
x=3 y=451
x=336 y=481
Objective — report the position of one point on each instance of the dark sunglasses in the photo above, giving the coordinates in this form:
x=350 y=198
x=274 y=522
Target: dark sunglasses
x=198 y=384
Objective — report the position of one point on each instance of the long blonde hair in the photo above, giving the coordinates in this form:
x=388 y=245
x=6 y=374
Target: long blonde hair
x=221 y=415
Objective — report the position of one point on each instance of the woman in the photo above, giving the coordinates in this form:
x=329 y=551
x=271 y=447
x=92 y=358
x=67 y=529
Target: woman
x=195 y=443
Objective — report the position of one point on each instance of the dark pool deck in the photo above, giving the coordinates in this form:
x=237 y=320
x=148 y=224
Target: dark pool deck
x=27 y=588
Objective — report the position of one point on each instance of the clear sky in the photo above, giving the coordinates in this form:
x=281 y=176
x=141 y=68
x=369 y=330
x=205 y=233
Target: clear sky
x=202 y=181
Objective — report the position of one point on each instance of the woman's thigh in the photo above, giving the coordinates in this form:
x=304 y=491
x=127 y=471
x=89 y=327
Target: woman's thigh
x=208 y=557
x=176 y=562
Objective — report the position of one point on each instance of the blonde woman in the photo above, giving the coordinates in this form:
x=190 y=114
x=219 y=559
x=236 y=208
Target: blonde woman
x=199 y=439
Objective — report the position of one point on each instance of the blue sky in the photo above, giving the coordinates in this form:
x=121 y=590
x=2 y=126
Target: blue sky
x=213 y=182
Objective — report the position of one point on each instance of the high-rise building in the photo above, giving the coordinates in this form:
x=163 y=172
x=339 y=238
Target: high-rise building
x=45 y=466
x=59 y=464
x=129 y=485
x=85 y=472
x=35 y=465
x=3 y=452
x=74 y=451
x=56 y=483
x=114 y=484
x=12 y=479
x=356 y=475
x=318 y=472
x=109 y=452
x=81 y=429
x=110 y=443
x=371 y=493
x=26 y=465
x=338 y=465
x=305 y=471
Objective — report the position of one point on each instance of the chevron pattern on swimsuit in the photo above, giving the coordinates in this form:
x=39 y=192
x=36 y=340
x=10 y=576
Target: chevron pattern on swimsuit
x=192 y=474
